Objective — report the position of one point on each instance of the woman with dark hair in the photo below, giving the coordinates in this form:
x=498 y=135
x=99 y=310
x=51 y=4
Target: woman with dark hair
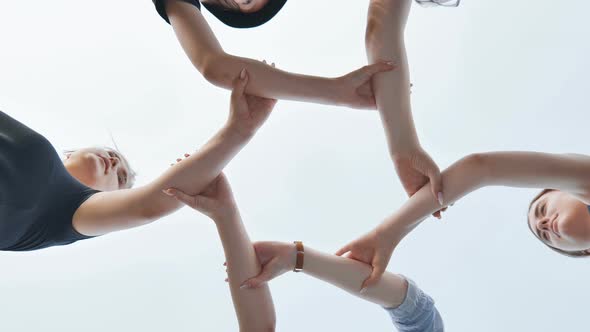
x=559 y=217
x=207 y=55
x=45 y=201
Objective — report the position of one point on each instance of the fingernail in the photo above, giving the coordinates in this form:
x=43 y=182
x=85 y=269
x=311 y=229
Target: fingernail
x=363 y=290
x=244 y=286
x=440 y=198
x=167 y=192
x=243 y=73
x=389 y=63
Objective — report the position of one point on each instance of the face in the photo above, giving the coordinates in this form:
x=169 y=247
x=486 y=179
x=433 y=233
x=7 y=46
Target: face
x=98 y=168
x=561 y=221
x=245 y=6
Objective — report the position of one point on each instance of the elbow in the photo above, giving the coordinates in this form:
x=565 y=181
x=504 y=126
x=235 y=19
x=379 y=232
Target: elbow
x=214 y=70
x=377 y=31
x=480 y=164
x=270 y=324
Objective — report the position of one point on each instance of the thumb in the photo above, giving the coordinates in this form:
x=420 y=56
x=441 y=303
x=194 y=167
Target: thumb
x=265 y=276
x=425 y=165
x=343 y=250
x=378 y=270
x=180 y=195
x=379 y=67
x=239 y=84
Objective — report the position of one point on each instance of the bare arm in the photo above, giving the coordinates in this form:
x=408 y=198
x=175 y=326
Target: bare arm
x=218 y=67
x=567 y=172
x=254 y=307
x=385 y=41
x=345 y=273
x=349 y=274
x=122 y=209
x=112 y=211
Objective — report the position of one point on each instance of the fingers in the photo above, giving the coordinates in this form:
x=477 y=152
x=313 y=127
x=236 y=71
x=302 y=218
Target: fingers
x=379 y=67
x=239 y=84
x=181 y=196
x=378 y=270
x=436 y=186
x=343 y=250
x=265 y=276
x=438 y=214
x=266 y=63
x=186 y=155
x=430 y=169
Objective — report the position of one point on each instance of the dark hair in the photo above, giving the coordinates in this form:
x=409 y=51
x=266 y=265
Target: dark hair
x=237 y=19
x=575 y=253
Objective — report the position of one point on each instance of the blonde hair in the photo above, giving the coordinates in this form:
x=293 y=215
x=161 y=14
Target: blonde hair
x=131 y=174
x=573 y=254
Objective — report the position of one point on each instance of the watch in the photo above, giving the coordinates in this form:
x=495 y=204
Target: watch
x=300 y=255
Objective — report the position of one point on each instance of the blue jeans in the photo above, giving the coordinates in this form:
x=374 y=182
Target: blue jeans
x=417 y=313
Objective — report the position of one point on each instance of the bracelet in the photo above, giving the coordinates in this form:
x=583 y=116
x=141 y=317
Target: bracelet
x=300 y=255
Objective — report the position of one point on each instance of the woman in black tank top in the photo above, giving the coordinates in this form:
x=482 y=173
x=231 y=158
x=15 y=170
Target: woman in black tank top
x=45 y=201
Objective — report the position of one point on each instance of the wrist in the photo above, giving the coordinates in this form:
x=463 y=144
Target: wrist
x=333 y=92
x=390 y=231
x=291 y=250
x=233 y=131
x=405 y=150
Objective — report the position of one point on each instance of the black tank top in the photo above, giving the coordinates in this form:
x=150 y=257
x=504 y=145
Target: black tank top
x=38 y=196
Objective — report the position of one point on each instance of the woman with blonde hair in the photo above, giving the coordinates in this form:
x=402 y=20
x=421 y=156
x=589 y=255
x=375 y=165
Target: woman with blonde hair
x=45 y=201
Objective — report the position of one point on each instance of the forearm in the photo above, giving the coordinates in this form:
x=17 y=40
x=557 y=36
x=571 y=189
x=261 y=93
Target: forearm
x=568 y=172
x=349 y=274
x=219 y=68
x=194 y=173
x=254 y=307
x=385 y=41
x=269 y=82
x=461 y=178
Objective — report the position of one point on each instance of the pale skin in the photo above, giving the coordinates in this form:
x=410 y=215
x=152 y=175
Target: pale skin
x=119 y=209
x=254 y=307
x=371 y=86
x=206 y=54
x=384 y=39
x=347 y=274
x=565 y=217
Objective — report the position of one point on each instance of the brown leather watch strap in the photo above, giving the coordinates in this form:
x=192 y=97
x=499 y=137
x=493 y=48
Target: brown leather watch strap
x=300 y=255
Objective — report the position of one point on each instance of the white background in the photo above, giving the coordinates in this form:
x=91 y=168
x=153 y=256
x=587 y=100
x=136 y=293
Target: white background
x=495 y=75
